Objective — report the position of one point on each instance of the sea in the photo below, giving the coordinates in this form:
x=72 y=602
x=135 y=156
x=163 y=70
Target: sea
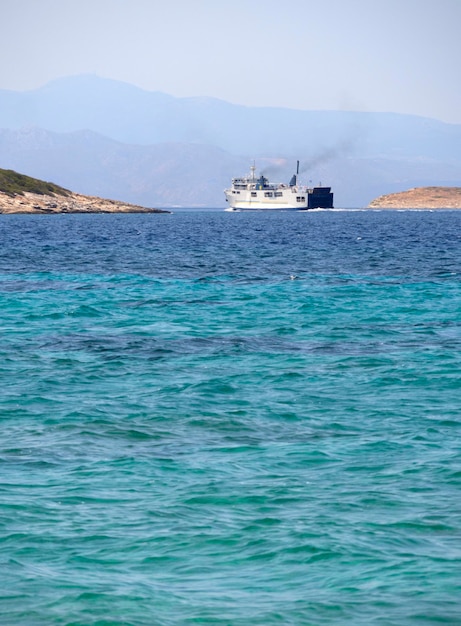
x=231 y=419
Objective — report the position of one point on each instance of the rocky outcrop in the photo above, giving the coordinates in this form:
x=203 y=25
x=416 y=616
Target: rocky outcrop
x=70 y=203
x=420 y=198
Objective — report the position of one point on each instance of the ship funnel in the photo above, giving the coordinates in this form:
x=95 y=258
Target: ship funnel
x=294 y=178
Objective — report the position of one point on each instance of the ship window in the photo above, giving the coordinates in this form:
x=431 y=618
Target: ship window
x=278 y=194
x=300 y=199
x=268 y=194
x=253 y=194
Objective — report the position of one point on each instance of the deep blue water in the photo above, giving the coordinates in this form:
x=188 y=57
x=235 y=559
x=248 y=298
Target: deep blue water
x=231 y=419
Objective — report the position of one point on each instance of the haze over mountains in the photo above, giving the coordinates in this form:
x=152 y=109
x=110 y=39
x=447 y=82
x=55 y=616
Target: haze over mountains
x=102 y=137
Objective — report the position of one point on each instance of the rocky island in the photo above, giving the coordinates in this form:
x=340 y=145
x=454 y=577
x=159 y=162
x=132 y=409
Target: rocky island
x=420 y=198
x=24 y=194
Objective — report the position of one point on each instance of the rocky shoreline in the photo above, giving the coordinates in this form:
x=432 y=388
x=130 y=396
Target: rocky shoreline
x=420 y=198
x=72 y=203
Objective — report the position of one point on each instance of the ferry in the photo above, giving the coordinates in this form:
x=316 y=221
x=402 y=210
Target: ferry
x=249 y=193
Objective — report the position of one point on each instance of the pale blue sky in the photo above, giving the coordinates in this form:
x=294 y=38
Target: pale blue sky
x=401 y=56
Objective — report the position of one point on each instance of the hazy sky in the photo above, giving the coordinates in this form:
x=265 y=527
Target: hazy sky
x=402 y=56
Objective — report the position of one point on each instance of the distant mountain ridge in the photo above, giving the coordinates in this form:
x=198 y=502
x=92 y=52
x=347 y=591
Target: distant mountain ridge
x=163 y=175
x=129 y=114
x=97 y=135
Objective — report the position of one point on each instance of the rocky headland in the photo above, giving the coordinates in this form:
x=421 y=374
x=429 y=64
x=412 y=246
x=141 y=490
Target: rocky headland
x=23 y=194
x=420 y=198
x=73 y=203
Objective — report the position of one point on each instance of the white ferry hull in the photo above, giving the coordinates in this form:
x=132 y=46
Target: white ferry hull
x=252 y=207
x=255 y=205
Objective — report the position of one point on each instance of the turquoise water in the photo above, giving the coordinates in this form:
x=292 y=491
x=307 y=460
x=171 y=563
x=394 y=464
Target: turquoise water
x=231 y=419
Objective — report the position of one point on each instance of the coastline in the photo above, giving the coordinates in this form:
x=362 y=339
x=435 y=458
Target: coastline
x=39 y=204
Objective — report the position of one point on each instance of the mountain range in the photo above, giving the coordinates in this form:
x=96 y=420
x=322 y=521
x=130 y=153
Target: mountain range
x=108 y=138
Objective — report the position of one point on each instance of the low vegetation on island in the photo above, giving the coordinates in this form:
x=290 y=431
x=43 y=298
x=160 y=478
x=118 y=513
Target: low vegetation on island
x=420 y=198
x=24 y=194
x=12 y=184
